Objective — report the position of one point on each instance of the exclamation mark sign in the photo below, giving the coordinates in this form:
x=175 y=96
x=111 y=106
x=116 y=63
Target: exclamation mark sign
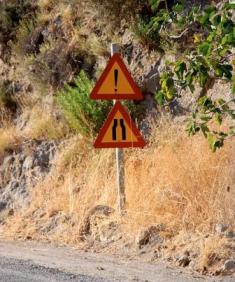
x=116 y=79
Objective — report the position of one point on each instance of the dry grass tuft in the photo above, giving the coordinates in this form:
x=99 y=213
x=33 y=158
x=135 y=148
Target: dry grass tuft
x=43 y=124
x=213 y=250
x=9 y=135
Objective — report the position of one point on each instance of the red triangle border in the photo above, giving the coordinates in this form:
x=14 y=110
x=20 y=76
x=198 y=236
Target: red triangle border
x=112 y=96
x=118 y=107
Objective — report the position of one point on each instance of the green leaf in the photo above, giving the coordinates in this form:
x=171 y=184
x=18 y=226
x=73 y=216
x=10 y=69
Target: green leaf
x=225 y=69
x=203 y=77
x=215 y=20
x=209 y=11
x=180 y=68
x=211 y=36
x=218 y=71
x=205 y=118
x=224 y=51
x=178 y=8
x=216 y=142
x=218 y=118
x=205 y=130
x=228 y=39
x=233 y=86
x=211 y=138
x=222 y=104
x=189 y=78
x=205 y=48
x=192 y=128
x=154 y=4
x=205 y=102
x=189 y=81
x=229 y=6
x=160 y=97
x=227 y=26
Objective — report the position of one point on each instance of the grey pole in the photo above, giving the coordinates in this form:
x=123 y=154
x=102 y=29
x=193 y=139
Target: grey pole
x=119 y=160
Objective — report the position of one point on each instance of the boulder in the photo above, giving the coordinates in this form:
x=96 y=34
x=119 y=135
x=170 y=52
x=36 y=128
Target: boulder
x=229 y=265
x=184 y=260
x=149 y=235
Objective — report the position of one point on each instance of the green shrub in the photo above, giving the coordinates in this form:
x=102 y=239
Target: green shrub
x=87 y=116
x=84 y=115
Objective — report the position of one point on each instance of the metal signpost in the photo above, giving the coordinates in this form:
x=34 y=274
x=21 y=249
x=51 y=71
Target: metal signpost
x=118 y=131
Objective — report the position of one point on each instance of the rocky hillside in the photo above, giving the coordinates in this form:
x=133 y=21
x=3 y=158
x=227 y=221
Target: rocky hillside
x=54 y=186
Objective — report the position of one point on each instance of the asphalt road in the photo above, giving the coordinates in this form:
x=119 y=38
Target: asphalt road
x=34 y=262
x=12 y=270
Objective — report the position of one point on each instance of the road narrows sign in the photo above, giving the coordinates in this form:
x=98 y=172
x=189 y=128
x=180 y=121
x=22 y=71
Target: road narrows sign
x=116 y=83
x=119 y=131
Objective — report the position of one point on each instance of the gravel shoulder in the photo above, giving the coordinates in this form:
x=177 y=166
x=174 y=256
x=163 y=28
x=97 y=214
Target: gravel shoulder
x=31 y=261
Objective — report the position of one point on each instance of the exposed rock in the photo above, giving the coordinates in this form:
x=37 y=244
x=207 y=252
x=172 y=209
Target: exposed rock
x=55 y=222
x=27 y=165
x=151 y=78
x=192 y=264
x=230 y=234
x=3 y=205
x=150 y=235
x=229 y=265
x=105 y=231
x=85 y=228
x=220 y=228
x=184 y=260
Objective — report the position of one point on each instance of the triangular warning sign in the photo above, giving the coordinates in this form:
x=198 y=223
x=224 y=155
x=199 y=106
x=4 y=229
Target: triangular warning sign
x=119 y=131
x=116 y=83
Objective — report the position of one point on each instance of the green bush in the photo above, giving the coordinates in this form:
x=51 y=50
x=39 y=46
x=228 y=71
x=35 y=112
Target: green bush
x=149 y=24
x=202 y=41
x=84 y=115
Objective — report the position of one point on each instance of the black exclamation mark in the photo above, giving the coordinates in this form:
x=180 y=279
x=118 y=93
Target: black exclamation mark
x=116 y=79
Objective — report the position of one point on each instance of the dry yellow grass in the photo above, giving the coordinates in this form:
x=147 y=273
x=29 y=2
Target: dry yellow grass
x=8 y=132
x=176 y=180
x=8 y=137
x=42 y=123
x=212 y=251
x=183 y=184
